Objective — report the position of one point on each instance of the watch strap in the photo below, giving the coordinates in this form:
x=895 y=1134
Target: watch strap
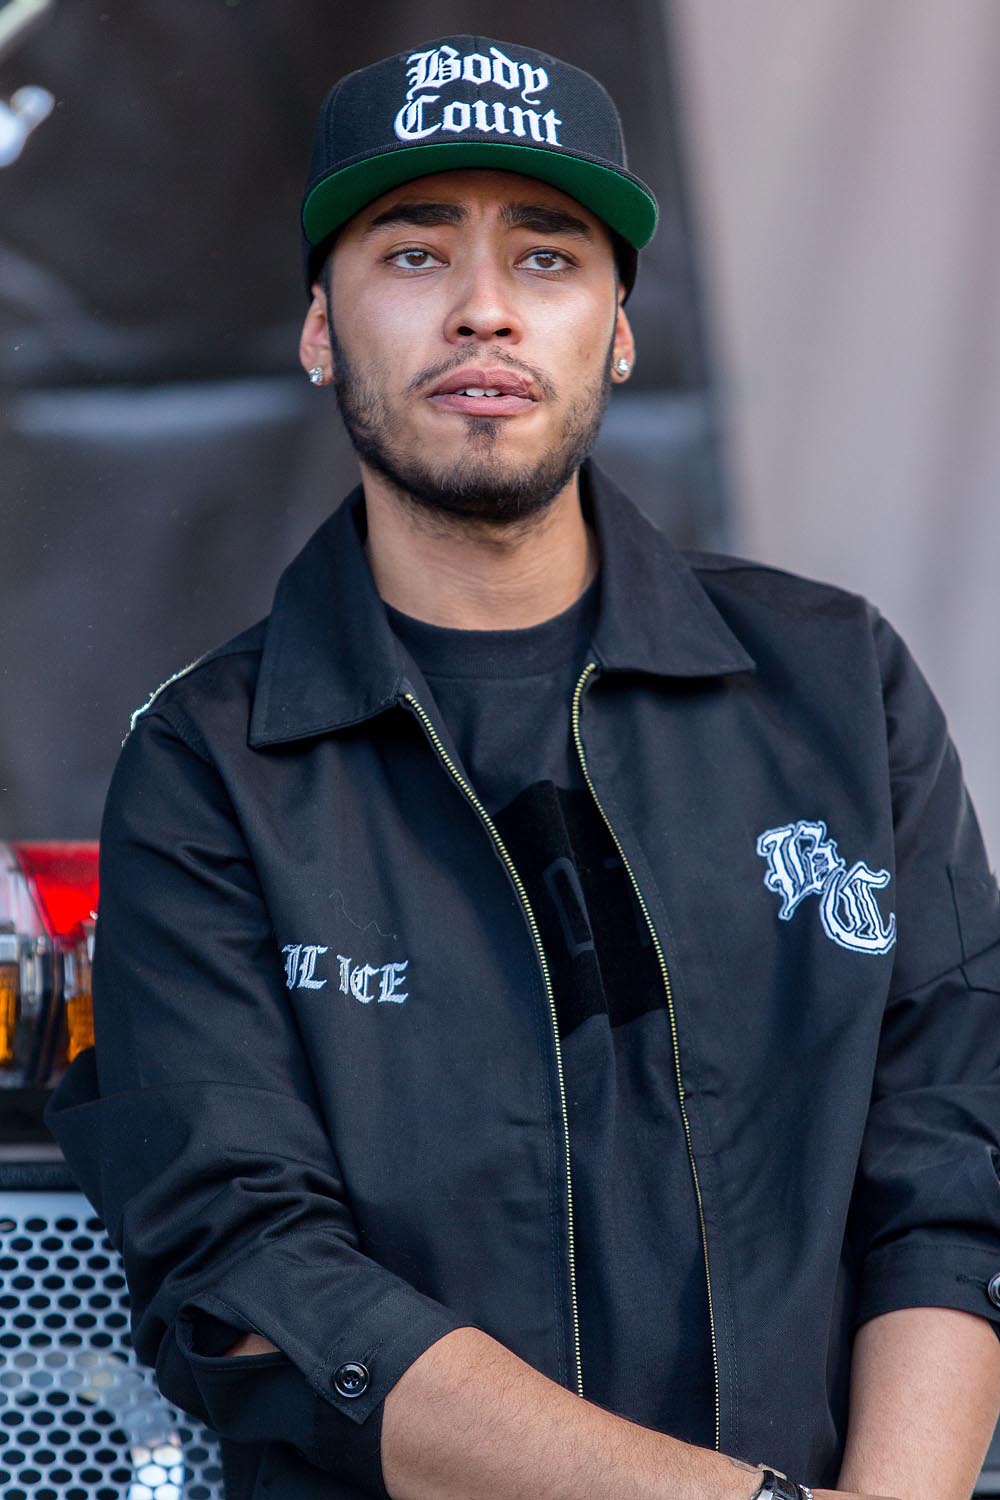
x=777 y=1486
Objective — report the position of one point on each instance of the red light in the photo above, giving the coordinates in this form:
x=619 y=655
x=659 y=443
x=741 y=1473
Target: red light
x=64 y=879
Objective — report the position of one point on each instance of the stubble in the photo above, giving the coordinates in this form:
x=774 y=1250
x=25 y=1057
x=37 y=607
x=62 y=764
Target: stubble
x=484 y=486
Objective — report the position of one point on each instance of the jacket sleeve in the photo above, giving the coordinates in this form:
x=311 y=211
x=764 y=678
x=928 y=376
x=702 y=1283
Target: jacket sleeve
x=926 y=1209
x=195 y=1133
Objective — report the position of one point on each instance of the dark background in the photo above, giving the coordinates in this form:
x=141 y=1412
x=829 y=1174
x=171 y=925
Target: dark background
x=161 y=453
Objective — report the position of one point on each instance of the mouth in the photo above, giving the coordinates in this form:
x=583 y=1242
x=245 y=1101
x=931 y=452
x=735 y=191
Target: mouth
x=481 y=392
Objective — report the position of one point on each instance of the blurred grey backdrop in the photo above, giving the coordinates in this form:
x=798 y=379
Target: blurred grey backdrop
x=162 y=453
x=844 y=161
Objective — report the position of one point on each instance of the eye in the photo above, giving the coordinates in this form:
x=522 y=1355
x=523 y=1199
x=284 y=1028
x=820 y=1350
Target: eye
x=413 y=259
x=547 y=260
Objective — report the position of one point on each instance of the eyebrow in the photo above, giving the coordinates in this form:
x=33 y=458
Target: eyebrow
x=533 y=216
x=423 y=215
x=542 y=220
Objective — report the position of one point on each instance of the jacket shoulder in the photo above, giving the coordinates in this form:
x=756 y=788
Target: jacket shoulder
x=731 y=579
x=809 y=626
x=225 y=674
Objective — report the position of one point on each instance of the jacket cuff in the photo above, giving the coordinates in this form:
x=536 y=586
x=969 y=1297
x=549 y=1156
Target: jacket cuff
x=250 y=1398
x=933 y=1273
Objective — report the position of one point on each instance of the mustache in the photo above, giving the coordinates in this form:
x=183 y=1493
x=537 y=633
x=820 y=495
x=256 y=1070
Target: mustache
x=433 y=373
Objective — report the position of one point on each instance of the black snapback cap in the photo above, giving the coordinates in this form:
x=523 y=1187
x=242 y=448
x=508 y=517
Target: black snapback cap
x=469 y=101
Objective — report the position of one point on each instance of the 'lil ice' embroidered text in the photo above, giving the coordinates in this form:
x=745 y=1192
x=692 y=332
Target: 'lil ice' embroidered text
x=365 y=982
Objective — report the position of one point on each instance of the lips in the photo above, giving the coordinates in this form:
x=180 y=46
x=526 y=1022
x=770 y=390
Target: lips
x=484 y=392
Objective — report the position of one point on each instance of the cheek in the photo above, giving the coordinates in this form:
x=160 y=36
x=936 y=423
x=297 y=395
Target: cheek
x=575 y=342
x=394 y=330
x=399 y=309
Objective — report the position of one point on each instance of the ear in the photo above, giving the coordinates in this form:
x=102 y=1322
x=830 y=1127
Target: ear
x=314 y=345
x=624 y=344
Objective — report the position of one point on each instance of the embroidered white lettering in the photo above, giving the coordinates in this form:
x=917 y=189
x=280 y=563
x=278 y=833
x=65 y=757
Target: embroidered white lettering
x=499 y=109
x=803 y=861
x=800 y=859
x=409 y=122
x=292 y=950
x=432 y=70
x=457 y=117
x=505 y=72
x=550 y=120
x=535 y=79
x=300 y=965
x=436 y=69
x=519 y=115
x=359 y=983
x=444 y=65
x=477 y=68
x=850 y=913
x=308 y=967
x=392 y=976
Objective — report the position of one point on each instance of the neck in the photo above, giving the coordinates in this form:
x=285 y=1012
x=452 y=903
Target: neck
x=471 y=575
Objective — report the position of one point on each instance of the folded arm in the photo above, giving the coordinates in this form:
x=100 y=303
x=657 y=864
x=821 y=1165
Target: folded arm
x=469 y=1420
x=925 y=1397
x=925 y=1221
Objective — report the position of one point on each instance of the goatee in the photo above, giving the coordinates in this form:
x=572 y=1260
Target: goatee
x=484 y=486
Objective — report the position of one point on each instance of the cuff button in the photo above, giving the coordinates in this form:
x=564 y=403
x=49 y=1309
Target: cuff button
x=993 y=1290
x=350 y=1379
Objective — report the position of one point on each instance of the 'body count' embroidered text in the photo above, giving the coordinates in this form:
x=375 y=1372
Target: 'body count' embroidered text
x=434 y=70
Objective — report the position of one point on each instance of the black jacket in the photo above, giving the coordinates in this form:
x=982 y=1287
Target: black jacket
x=327 y=1102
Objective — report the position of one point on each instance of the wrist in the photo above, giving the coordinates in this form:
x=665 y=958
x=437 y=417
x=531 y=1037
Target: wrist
x=774 y=1485
x=251 y=1343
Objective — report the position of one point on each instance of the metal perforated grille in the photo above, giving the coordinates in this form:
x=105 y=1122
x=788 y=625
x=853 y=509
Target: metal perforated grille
x=79 y=1418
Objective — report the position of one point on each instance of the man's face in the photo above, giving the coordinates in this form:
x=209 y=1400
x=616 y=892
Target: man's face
x=463 y=283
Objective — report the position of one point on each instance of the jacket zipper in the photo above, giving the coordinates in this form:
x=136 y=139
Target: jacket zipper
x=578 y=738
x=435 y=740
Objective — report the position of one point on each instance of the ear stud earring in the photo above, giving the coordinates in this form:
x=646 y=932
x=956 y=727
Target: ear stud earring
x=621 y=366
x=316 y=375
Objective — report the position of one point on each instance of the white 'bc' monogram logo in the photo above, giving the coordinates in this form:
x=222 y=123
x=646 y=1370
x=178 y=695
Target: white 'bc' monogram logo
x=802 y=861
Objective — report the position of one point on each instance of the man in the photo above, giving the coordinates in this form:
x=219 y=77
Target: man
x=546 y=989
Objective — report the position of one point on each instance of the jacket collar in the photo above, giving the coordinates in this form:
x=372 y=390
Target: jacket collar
x=330 y=657
x=655 y=616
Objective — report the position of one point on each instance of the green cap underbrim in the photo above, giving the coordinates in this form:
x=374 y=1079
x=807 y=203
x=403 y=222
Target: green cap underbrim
x=622 y=202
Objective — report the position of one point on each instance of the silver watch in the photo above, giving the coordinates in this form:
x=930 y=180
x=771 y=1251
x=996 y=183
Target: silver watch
x=777 y=1486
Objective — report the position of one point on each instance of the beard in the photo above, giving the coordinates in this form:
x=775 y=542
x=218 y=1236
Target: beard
x=484 y=485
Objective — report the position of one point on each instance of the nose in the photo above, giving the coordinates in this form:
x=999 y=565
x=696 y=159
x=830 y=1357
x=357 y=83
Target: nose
x=482 y=308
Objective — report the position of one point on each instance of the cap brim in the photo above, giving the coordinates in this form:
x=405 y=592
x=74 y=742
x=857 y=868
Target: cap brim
x=621 y=200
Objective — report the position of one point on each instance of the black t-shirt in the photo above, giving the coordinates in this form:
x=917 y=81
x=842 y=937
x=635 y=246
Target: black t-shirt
x=505 y=697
